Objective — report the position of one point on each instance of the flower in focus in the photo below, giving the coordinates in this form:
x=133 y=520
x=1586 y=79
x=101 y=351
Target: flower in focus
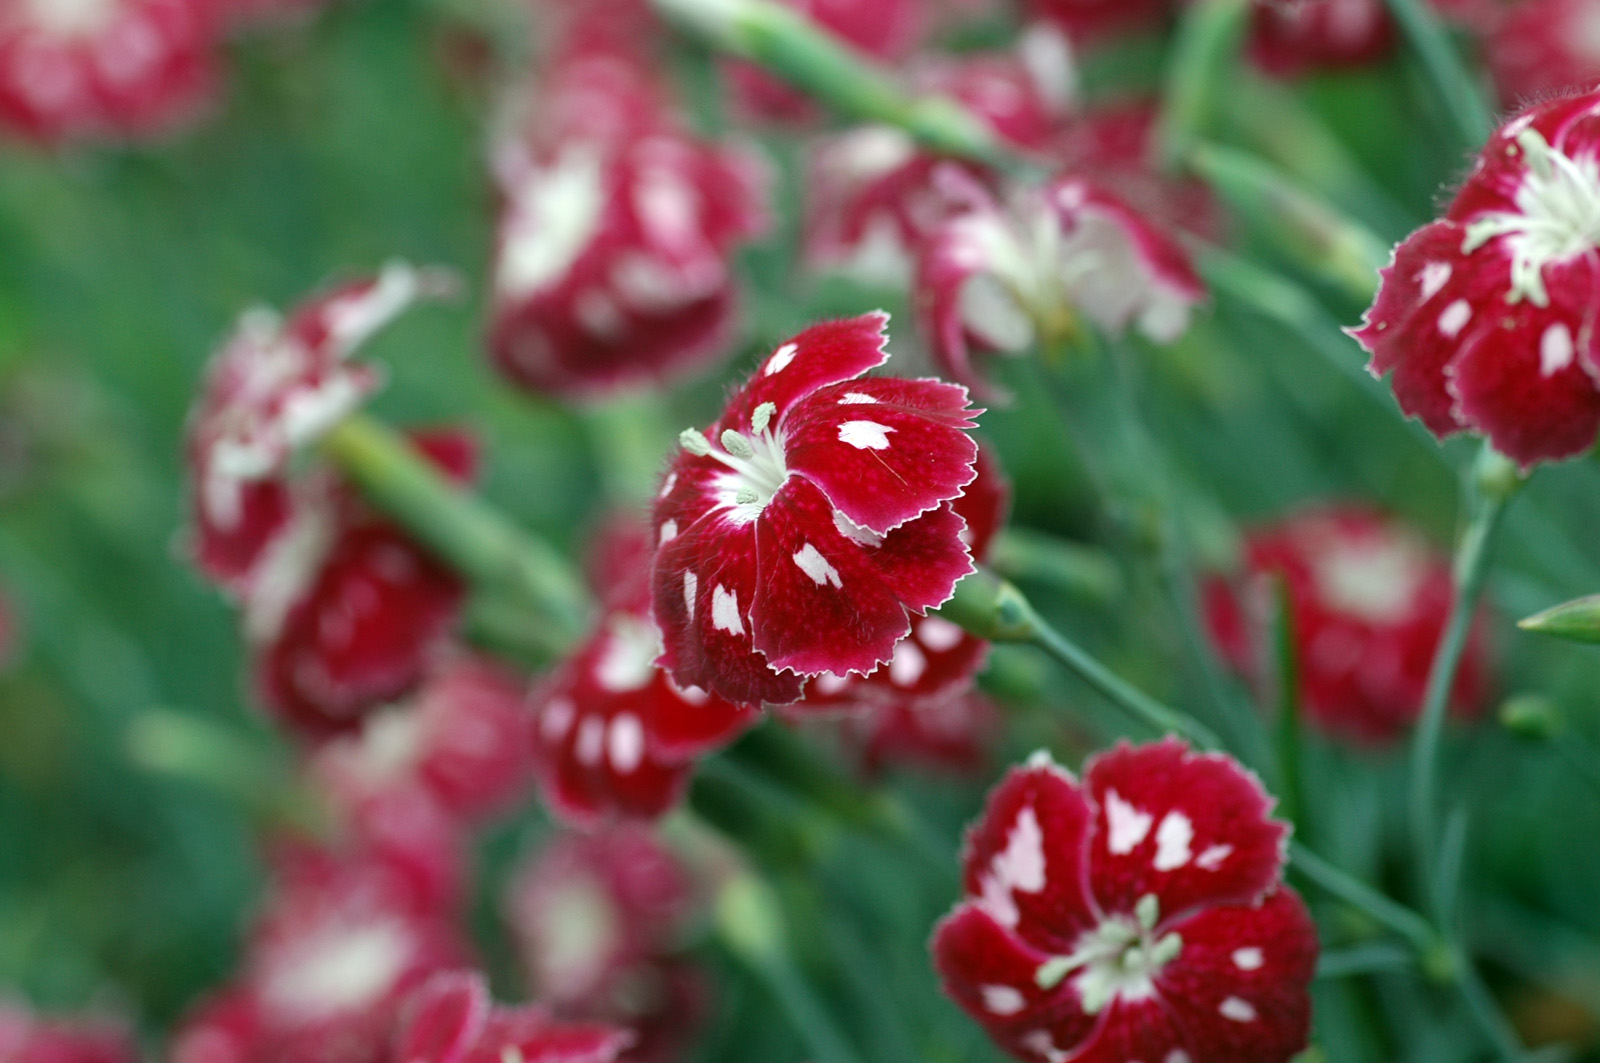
x=104 y=69
x=338 y=948
x=1291 y=37
x=871 y=196
x=274 y=388
x=1139 y=914
x=599 y=921
x=615 y=736
x=1541 y=47
x=998 y=279
x=923 y=706
x=615 y=233
x=343 y=610
x=1368 y=600
x=30 y=1038
x=805 y=527
x=1486 y=318
x=451 y=1019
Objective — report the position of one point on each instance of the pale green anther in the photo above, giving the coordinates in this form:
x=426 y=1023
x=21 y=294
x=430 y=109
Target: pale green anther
x=1147 y=911
x=1165 y=951
x=1053 y=970
x=737 y=445
x=745 y=496
x=762 y=417
x=695 y=442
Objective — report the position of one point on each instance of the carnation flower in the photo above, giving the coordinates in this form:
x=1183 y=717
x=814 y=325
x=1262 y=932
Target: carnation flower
x=599 y=922
x=801 y=532
x=1486 y=317
x=615 y=235
x=30 y=1038
x=75 y=69
x=1139 y=914
x=1368 y=598
x=275 y=387
x=1290 y=37
x=339 y=947
x=615 y=736
x=451 y=1019
x=1000 y=279
x=1540 y=47
x=343 y=610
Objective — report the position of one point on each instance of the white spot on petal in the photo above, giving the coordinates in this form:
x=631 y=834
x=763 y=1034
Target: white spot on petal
x=1434 y=276
x=691 y=587
x=669 y=531
x=939 y=634
x=557 y=717
x=591 y=741
x=856 y=398
x=781 y=358
x=1002 y=999
x=625 y=742
x=725 y=611
x=1178 y=1055
x=668 y=484
x=1126 y=825
x=1237 y=1009
x=813 y=564
x=1172 y=841
x=907 y=664
x=1019 y=866
x=1556 y=349
x=855 y=532
x=865 y=435
x=1455 y=318
x=1213 y=856
x=1248 y=959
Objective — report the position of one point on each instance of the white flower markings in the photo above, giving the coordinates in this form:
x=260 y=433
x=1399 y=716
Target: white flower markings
x=799 y=532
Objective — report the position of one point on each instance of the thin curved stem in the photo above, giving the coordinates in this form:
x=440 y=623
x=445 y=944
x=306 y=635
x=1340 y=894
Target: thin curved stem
x=1461 y=95
x=1411 y=926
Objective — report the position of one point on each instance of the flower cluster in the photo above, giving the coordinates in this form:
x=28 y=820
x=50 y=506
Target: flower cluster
x=1138 y=914
x=1485 y=317
x=1367 y=600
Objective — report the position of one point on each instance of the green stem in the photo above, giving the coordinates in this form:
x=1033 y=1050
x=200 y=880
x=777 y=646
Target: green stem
x=790 y=45
x=1397 y=917
x=464 y=531
x=1458 y=91
x=1372 y=958
x=1204 y=59
x=1287 y=660
x=993 y=609
x=1489 y=491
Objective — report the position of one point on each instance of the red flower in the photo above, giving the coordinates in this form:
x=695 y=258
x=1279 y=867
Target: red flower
x=342 y=610
x=615 y=236
x=451 y=1019
x=999 y=279
x=1486 y=317
x=872 y=197
x=1088 y=19
x=275 y=387
x=599 y=921
x=73 y=69
x=800 y=532
x=1137 y=915
x=28 y=1038
x=1368 y=600
x=1290 y=37
x=1541 y=47
x=615 y=735
x=339 y=947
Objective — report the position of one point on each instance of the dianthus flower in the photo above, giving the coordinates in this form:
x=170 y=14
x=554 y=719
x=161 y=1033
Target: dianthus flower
x=275 y=387
x=1000 y=279
x=452 y=1019
x=615 y=234
x=338 y=949
x=26 y=1037
x=599 y=921
x=1139 y=914
x=1290 y=37
x=76 y=69
x=871 y=196
x=615 y=736
x=803 y=529
x=1368 y=598
x=1541 y=47
x=1486 y=317
x=343 y=610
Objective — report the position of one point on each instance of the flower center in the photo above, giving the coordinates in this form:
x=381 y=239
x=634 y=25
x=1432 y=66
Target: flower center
x=1557 y=216
x=1117 y=960
x=755 y=464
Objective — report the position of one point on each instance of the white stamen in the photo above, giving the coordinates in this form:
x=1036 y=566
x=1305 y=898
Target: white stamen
x=762 y=416
x=695 y=442
x=737 y=445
